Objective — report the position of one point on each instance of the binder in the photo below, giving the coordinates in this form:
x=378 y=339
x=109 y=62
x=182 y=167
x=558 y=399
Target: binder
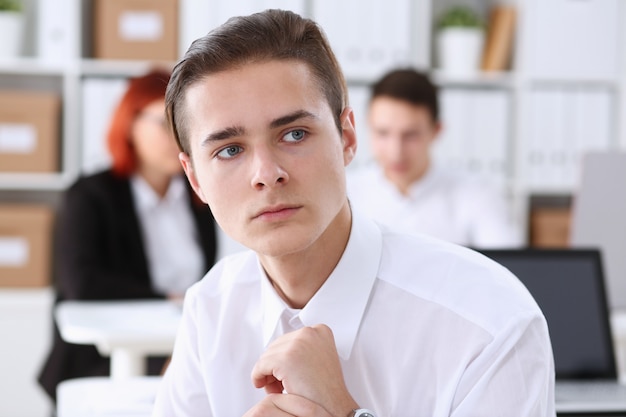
x=475 y=134
x=449 y=148
x=359 y=101
x=193 y=22
x=566 y=122
x=58 y=39
x=499 y=43
x=220 y=11
x=567 y=39
x=596 y=120
x=572 y=142
x=490 y=133
x=100 y=98
x=385 y=43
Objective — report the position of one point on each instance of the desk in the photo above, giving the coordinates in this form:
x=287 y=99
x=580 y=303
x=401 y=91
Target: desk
x=618 y=327
x=107 y=397
x=127 y=331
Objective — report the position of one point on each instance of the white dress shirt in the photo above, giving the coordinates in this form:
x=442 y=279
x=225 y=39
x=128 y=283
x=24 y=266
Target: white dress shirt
x=452 y=207
x=422 y=328
x=170 y=237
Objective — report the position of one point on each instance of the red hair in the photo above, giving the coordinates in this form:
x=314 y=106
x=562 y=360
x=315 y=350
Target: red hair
x=141 y=91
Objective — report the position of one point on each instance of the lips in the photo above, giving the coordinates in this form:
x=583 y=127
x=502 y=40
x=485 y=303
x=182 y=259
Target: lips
x=398 y=167
x=277 y=212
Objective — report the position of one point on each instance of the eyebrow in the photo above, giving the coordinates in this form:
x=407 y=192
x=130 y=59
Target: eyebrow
x=234 y=131
x=224 y=134
x=292 y=117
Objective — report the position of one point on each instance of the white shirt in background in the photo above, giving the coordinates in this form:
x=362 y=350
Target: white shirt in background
x=422 y=328
x=442 y=204
x=170 y=237
x=225 y=244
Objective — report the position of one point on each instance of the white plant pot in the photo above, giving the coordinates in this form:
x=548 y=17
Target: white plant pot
x=12 y=29
x=460 y=50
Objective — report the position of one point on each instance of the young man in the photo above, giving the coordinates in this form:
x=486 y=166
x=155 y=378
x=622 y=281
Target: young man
x=327 y=315
x=404 y=190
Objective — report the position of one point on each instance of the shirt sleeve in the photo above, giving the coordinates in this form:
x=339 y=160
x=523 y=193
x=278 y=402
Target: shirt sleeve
x=513 y=376
x=182 y=391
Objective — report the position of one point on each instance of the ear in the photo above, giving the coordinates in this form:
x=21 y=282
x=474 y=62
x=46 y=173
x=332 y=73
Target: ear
x=348 y=135
x=437 y=128
x=190 y=172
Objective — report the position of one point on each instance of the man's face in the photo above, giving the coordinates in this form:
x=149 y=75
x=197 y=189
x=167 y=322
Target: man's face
x=267 y=155
x=401 y=134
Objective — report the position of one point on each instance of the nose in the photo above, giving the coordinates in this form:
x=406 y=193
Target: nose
x=396 y=148
x=267 y=170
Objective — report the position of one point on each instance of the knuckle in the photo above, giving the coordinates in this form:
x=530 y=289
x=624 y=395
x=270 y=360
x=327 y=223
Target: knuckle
x=323 y=329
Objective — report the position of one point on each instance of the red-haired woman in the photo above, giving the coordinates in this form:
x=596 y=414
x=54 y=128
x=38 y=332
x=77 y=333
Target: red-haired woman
x=134 y=231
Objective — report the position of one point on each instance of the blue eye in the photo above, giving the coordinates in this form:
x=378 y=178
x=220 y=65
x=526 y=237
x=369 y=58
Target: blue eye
x=294 y=136
x=229 y=152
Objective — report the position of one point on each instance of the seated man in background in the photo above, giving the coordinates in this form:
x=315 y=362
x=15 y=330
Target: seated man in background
x=404 y=189
x=329 y=314
x=134 y=231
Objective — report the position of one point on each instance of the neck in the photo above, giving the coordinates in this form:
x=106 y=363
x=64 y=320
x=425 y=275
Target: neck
x=403 y=184
x=298 y=276
x=157 y=181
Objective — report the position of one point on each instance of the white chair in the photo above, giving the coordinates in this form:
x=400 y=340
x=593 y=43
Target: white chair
x=107 y=397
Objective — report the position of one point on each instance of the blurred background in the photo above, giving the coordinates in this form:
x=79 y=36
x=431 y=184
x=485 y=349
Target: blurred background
x=528 y=89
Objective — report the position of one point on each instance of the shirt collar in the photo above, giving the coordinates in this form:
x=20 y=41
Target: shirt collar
x=341 y=301
x=272 y=306
x=421 y=186
x=146 y=198
x=416 y=189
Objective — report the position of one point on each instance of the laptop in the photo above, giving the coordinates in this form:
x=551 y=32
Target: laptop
x=569 y=287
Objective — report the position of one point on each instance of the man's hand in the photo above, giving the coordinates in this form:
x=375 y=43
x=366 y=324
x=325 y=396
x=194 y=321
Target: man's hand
x=305 y=362
x=287 y=405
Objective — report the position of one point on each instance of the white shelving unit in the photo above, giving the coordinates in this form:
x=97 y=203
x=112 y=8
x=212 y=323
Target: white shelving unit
x=365 y=50
x=370 y=38
x=573 y=51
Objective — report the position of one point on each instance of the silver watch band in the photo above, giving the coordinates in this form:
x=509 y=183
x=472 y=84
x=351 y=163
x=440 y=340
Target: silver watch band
x=361 y=412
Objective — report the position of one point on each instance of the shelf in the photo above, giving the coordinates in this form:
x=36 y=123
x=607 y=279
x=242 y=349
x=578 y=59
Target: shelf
x=26 y=298
x=479 y=79
x=569 y=83
x=31 y=66
x=35 y=181
x=118 y=68
x=549 y=191
x=572 y=98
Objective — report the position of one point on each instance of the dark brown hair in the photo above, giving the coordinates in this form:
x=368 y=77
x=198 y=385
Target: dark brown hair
x=265 y=36
x=409 y=85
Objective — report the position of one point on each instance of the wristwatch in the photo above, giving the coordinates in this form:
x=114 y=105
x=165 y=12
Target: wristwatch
x=361 y=412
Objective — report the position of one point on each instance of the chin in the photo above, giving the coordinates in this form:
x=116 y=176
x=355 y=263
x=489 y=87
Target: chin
x=173 y=171
x=281 y=243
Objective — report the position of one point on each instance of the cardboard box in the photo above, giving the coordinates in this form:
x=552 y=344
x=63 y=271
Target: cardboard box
x=25 y=245
x=136 y=29
x=29 y=131
x=550 y=227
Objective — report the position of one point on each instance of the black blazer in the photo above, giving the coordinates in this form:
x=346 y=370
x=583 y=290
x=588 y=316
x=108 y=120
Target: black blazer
x=100 y=255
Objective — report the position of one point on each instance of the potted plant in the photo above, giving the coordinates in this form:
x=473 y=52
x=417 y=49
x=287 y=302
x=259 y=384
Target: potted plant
x=460 y=39
x=12 y=24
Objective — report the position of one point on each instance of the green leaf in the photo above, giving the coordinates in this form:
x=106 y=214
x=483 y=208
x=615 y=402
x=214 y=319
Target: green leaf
x=459 y=16
x=11 y=5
